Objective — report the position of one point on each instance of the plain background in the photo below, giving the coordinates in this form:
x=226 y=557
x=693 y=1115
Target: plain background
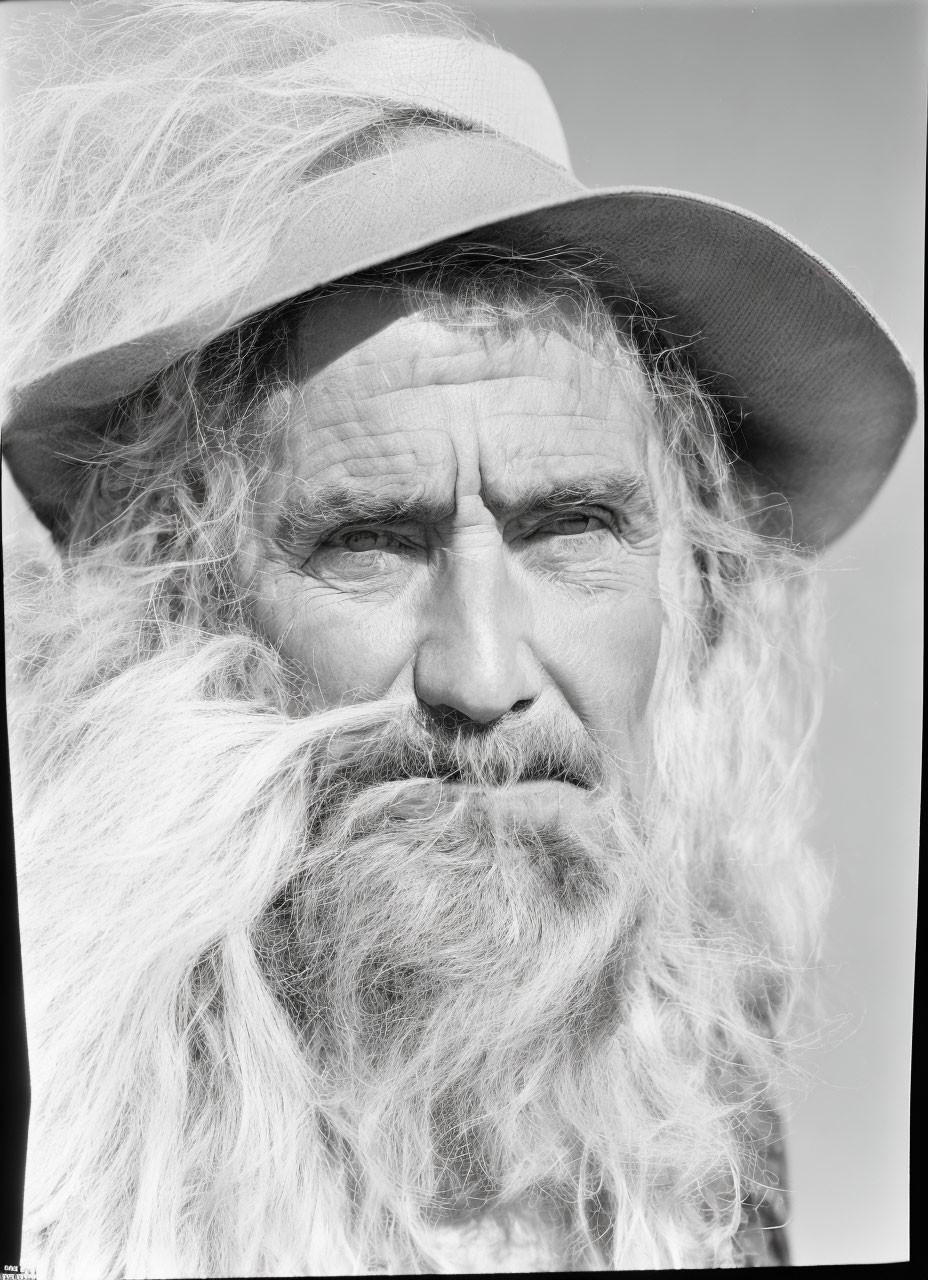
x=812 y=115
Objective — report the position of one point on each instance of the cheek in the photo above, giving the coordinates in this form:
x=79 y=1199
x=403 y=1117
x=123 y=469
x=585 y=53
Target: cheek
x=353 y=657
x=345 y=650
x=606 y=662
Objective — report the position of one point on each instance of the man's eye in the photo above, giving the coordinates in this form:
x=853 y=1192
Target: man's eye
x=575 y=522
x=365 y=540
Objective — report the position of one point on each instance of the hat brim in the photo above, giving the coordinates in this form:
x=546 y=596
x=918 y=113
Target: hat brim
x=826 y=396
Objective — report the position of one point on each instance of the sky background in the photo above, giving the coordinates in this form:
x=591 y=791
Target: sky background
x=812 y=115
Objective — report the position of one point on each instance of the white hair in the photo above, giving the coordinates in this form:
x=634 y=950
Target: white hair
x=164 y=151
x=245 y=1059
x=172 y=905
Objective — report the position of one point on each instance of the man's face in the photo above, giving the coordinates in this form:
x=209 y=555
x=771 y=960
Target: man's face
x=489 y=989
x=464 y=520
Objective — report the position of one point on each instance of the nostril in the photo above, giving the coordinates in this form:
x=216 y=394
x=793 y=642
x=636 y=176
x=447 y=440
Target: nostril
x=451 y=719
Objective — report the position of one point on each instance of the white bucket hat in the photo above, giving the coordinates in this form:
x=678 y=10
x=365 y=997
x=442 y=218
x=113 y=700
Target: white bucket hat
x=826 y=396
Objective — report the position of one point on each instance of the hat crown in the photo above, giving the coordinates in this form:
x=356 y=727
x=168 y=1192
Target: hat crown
x=463 y=78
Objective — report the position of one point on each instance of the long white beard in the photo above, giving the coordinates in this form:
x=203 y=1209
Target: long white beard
x=282 y=1025
x=454 y=974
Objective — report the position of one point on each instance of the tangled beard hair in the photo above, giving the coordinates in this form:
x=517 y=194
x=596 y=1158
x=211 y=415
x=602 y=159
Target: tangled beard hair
x=292 y=1009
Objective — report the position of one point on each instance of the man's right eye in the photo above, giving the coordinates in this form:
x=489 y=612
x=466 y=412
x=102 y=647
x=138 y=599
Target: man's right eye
x=365 y=540
x=365 y=549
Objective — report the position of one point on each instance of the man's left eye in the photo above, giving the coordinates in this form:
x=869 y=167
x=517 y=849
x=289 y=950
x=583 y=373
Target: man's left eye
x=570 y=525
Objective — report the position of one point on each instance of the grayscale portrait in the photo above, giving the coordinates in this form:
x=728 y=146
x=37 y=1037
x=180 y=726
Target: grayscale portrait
x=460 y=510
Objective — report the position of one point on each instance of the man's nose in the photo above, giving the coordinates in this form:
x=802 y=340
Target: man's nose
x=474 y=660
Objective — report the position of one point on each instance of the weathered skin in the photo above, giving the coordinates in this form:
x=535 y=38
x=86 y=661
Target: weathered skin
x=493 y=601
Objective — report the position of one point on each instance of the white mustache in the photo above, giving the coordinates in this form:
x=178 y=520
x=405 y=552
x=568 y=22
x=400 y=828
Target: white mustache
x=509 y=752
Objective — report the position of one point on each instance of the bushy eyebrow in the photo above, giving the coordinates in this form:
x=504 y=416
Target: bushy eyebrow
x=627 y=491
x=308 y=513
x=311 y=512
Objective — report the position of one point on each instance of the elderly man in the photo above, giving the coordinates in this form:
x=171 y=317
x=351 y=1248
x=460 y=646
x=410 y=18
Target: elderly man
x=409 y=747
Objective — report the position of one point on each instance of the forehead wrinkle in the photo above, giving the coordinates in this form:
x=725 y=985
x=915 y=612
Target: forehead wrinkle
x=317 y=437
x=336 y=393
x=418 y=422
x=358 y=382
x=441 y=423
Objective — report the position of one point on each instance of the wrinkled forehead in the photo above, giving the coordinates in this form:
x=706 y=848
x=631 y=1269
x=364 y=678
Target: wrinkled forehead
x=373 y=369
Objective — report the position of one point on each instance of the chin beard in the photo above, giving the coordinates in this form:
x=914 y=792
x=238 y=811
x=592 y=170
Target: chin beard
x=456 y=975
x=452 y=956
x=295 y=1004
